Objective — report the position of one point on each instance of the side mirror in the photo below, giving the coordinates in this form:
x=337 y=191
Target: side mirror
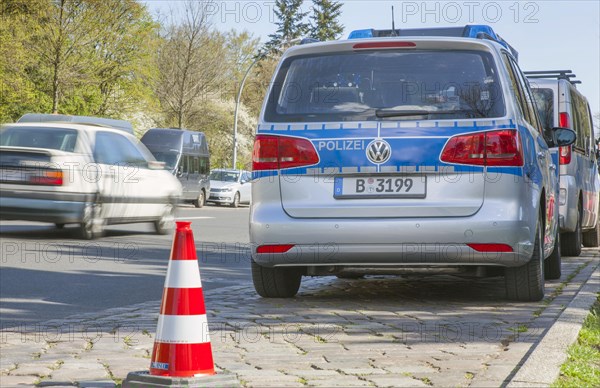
x=179 y=172
x=563 y=136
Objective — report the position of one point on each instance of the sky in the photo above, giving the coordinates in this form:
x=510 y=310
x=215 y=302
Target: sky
x=548 y=34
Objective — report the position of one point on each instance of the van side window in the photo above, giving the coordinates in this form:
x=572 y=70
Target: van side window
x=196 y=165
x=204 y=165
x=581 y=121
x=532 y=115
x=515 y=87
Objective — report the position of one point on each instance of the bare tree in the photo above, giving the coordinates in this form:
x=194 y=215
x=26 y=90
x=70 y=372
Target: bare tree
x=189 y=63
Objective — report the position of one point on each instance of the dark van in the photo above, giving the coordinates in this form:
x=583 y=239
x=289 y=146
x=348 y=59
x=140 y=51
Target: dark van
x=186 y=155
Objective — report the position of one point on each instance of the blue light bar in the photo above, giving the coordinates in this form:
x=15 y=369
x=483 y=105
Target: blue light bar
x=475 y=31
x=361 y=34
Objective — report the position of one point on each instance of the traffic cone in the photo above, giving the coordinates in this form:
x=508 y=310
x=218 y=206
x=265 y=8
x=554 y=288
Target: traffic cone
x=182 y=345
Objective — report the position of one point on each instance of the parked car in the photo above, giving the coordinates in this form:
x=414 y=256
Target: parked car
x=90 y=175
x=561 y=104
x=230 y=187
x=404 y=148
x=186 y=156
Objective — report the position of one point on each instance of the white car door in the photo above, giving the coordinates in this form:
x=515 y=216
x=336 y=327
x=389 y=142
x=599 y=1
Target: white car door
x=245 y=188
x=109 y=175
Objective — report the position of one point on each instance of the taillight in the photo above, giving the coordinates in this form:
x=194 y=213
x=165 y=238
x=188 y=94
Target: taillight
x=564 y=121
x=564 y=155
x=493 y=148
x=47 y=178
x=277 y=152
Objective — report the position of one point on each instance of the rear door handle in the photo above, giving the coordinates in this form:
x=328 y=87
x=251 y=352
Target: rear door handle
x=552 y=167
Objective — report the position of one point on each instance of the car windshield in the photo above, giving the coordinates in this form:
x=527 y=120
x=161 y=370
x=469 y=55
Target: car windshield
x=62 y=139
x=383 y=85
x=170 y=158
x=224 y=176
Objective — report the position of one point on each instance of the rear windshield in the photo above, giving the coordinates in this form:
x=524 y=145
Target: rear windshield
x=381 y=85
x=62 y=139
x=163 y=140
x=544 y=100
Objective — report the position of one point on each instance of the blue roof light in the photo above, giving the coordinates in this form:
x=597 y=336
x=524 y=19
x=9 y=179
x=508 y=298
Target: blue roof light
x=476 y=31
x=361 y=34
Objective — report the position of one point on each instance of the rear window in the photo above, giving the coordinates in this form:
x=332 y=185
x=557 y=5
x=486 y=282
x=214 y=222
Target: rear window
x=63 y=139
x=544 y=100
x=163 y=140
x=386 y=84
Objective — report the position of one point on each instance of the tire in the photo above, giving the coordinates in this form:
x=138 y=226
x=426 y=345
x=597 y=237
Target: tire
x=236 y=200
x=166 y=223
x=552 y=265
x=201 y=200
x=276 y=282
x=571 y=241
x=526 y=283
x=92 y=225
x=591 y=237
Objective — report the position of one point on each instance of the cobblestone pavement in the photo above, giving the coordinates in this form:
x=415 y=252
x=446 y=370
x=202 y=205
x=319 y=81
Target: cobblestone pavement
x=380 y=331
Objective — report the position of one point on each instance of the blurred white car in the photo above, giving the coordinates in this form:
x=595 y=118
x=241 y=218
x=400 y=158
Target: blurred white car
x=230 y=187
x=91 y=175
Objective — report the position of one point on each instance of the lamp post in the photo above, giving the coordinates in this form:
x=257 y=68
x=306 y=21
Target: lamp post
x=239 y=96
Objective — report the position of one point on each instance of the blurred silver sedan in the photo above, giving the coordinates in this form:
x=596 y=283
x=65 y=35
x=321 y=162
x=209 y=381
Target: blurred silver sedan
x=91 y=175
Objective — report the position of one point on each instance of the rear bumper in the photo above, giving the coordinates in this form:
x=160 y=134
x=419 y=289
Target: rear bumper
x=392 y=241
x=43 y=206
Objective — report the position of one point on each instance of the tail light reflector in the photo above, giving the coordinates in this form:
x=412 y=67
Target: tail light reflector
x=493 y=148
x=277 y=152
x=282 y=248
x=491 y=247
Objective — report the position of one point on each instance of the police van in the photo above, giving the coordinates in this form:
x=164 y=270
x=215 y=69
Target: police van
x=410 y=147
x=560 y=103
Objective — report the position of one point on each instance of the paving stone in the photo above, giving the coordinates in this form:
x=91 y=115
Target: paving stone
x=10 y=381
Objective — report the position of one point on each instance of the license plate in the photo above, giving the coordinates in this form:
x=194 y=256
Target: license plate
x=393 y=186
x=12 y=175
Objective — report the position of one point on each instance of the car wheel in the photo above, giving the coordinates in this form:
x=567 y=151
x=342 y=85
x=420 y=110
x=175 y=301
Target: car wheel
x=236 y=200
x=166 y=223
x=526 y=283
x=571 y=241
x=591 y=238
x=276 y=282
x=201 y=200
x=92 y=225
x=552 y=270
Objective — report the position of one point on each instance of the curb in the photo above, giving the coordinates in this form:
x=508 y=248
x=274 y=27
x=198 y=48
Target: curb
x=542 y=367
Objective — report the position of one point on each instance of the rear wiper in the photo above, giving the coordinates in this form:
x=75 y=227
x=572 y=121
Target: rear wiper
x=403 y=113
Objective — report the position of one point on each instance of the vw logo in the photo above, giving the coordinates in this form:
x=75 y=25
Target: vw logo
x=379 y=151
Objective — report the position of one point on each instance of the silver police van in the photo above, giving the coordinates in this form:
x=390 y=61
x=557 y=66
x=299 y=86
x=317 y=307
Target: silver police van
x=404 y=148
x=561 y=104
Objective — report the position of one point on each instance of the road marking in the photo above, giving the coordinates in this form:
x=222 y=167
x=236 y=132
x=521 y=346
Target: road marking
x=194 y=218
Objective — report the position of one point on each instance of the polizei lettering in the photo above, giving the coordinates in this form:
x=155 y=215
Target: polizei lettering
x=341 y=145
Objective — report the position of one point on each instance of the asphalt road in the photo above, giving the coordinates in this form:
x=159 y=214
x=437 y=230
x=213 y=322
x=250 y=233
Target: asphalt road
x=48 y=273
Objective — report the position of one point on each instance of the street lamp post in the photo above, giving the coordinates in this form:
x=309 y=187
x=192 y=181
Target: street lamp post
x=239 y=96
x=237 y=108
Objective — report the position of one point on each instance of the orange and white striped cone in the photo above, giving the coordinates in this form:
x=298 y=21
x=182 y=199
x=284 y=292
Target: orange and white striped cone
x=182 y=346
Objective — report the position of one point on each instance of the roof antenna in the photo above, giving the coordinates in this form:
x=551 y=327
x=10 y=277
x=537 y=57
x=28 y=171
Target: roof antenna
x=393 y=23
